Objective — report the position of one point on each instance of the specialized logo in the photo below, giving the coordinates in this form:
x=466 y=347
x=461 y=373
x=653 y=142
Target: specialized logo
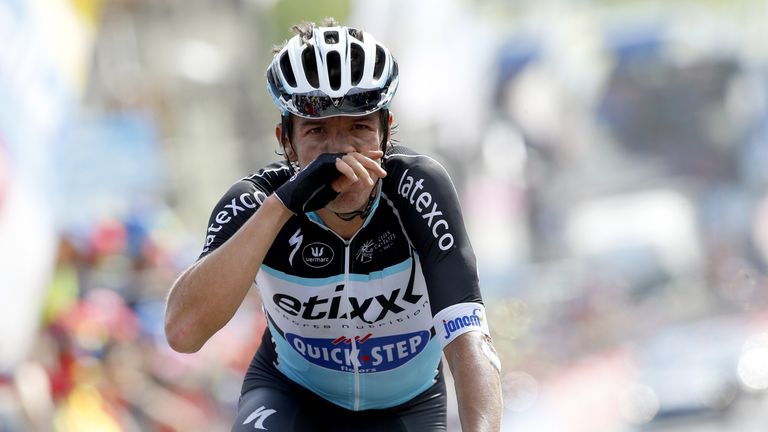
x=316 y=307
x=295 y=241
x=408 y=188
x=258 y=417
x=474 y=320
x=317 y=254
x=365 y=354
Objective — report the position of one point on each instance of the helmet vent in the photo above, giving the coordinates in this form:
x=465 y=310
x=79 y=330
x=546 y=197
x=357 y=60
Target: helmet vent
x=285 y=67
x=331 y=37
x=378 y=67
x=334 y=70
x=355 y=33
x=310 y=66
x=357 y=61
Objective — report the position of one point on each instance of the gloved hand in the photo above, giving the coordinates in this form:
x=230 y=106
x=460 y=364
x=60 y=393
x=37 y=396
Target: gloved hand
x=310 y=189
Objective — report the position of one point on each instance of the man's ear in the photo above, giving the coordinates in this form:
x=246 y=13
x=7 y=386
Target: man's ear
x=290 y=153
x=388 y=131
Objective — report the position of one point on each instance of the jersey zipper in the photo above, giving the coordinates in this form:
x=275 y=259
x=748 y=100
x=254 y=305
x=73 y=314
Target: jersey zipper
x=347 y=289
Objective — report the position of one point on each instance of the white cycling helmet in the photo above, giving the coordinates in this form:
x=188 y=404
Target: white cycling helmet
x=340 y=71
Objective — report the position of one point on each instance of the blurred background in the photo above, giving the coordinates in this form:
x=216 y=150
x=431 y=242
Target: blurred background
x=611 y=158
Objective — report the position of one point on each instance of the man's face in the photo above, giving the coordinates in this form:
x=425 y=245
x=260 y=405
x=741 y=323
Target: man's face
x=312 y=137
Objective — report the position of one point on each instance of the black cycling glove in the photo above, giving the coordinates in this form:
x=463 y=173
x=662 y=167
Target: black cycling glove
x=310 y=189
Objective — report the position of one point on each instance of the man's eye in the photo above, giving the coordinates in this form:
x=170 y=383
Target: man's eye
x=314 y=131
x=361 y=126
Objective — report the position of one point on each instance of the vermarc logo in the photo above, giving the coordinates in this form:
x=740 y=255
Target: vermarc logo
x=317 y=254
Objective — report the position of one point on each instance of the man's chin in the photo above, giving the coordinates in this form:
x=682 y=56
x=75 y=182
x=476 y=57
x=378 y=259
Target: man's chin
x=342 y=208
x=345 y=204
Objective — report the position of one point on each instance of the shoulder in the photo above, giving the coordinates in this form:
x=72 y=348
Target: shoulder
x=270 y=177
x=240 y=201
x=406 y=167
x=403 y=162
x=401 y=157
x=251 y=190
x=420 y=190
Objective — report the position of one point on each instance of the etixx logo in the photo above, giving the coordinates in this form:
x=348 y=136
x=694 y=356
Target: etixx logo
x=317 y=254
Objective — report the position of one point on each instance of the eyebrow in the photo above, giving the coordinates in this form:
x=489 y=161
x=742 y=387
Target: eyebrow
x=319 y=122
x=365 y=118
x=312 y=122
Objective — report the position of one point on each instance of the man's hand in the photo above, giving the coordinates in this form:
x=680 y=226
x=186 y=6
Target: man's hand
x=324 y=178
x=358 y=167
x=310 y=189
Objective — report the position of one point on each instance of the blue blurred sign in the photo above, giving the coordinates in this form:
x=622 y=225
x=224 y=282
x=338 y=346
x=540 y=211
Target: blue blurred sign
x=107 y=165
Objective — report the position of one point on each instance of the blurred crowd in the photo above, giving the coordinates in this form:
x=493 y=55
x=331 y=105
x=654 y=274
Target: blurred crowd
x=100 y=361
x=643 y=202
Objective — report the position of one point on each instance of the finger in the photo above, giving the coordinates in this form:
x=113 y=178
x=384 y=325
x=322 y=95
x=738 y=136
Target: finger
x=372 y=165
x=341 y=184
x=374 y=154
x=346 y=170
x=354 y=160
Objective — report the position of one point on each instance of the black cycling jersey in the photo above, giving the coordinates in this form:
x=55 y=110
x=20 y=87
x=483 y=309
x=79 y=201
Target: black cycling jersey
x=362 y=322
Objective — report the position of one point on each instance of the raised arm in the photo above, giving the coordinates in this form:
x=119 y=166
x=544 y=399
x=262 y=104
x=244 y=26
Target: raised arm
x=475 y=369
x=205 y=297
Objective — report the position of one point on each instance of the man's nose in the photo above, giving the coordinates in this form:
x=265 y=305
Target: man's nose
x=340 y=143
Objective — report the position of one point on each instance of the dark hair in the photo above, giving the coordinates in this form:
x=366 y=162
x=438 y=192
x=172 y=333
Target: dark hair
x=305 y=29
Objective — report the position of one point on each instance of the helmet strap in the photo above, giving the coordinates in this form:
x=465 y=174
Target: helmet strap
x=365 y=211
x=384 y=118
x=285 y=133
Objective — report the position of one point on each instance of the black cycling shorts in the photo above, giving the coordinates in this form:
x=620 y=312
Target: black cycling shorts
x=273 y=402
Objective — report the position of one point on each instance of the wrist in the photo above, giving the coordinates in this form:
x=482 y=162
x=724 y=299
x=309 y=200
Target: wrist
x=273 y=203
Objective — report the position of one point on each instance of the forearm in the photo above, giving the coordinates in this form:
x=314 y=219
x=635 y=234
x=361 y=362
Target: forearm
x=206 y=296
x=477 y=382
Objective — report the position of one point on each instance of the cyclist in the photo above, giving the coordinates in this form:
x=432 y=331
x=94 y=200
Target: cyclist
x=359 y=251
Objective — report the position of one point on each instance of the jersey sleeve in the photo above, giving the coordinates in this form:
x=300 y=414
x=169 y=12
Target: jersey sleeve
x=425 y=198
x=239 y=203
